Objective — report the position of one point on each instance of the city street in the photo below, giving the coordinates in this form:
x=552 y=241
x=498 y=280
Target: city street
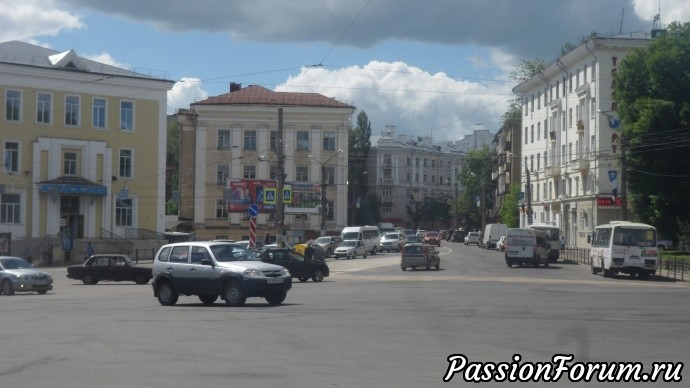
x=367 y=325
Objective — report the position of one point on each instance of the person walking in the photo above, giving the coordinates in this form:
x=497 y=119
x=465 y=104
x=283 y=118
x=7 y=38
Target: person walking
x=27 y=254
x=309 y=252
x=89 y=250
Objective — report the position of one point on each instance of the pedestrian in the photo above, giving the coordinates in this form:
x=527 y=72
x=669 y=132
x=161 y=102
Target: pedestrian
x=309 y=252
x=27 y=254
x=267 y=240
x=89 y=250
x=49 y=255
x=562 y=242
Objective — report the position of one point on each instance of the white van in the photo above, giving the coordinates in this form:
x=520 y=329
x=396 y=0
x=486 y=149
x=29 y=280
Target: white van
x=492 y=233
x=369 y=235
x=625 y=247
x=526 y=246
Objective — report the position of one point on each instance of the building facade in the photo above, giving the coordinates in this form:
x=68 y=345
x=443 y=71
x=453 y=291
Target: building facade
x=571 y=140
x=507 y=168
x=84 y=147
x=229 y=147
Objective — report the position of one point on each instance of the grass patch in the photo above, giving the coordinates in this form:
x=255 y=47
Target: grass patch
x=681 y=255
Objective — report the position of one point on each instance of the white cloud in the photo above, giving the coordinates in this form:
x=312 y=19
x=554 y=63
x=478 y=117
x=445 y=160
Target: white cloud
x=415 y=101
x=671 y=10
x=107 y=59
x=27 y=19
x=185 y=92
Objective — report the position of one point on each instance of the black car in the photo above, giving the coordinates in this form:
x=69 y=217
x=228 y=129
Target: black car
x=299 y=266
x=113 y=267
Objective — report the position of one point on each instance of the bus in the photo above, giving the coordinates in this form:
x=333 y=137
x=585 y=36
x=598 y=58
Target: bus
x=626 y=247
x=369 y=235
x=553 y=240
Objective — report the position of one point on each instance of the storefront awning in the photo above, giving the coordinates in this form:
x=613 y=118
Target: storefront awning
x=72 y=185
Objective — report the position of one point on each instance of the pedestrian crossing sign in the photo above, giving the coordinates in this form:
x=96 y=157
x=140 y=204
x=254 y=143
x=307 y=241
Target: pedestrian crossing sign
x=270 y=196
x=287 y=194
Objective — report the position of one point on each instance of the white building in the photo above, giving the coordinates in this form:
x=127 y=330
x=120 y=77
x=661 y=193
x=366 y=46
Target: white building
x=568 y=145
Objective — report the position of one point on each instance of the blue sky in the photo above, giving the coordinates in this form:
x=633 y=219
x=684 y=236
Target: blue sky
x=428 y=67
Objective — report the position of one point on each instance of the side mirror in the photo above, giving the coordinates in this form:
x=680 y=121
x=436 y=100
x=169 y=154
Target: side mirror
x=207 y=262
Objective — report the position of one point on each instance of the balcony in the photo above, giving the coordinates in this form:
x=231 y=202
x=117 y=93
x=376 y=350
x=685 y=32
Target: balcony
x=386 y=181
x=580 y=164
x=553 y=171
x=580 y=126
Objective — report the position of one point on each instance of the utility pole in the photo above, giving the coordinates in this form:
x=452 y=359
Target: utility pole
x=624 y=191
x=528 y=190
x=280 y=178
x=324 y=202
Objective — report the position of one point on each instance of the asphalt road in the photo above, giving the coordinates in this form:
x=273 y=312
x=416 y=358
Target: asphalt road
x=368 y=325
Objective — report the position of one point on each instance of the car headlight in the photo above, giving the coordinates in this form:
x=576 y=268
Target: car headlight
x=253 y=273
x=284 y=272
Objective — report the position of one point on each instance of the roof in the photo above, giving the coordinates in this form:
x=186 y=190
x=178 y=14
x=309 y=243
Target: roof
x=27 y=54
x=258 y=95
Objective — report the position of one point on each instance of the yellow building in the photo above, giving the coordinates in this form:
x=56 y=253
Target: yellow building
x=84 y=147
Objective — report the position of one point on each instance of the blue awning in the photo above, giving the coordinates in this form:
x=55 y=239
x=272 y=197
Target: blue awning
x=72 y=188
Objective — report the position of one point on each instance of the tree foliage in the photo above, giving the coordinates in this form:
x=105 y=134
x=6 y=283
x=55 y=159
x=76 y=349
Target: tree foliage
x=653 y=92
x=475 y=180
x=358 y=154
x=527 y=69
x=510 y=214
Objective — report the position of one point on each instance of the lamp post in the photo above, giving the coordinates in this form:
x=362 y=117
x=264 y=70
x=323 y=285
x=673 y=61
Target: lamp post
x=324 y=201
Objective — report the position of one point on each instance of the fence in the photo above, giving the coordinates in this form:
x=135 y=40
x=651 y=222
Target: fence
x=669 y=267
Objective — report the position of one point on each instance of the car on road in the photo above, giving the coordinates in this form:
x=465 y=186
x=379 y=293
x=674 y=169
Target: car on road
x=351 y=249
x=501 y=244
x=18 y=275
x=472 y=238
x=328 y=243
x=299 y=266
x=392 y=241
x=211 y=269
x=110 y=267
x=419 y=255
x=432 y=238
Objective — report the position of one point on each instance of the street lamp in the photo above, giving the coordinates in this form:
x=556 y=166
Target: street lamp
x=324 y=202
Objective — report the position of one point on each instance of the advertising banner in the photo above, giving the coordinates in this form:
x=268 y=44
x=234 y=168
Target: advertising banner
x=306 y=198
x=249 y=191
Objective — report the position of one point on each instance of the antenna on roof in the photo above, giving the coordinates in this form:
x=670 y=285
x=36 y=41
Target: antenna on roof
x=620 y=31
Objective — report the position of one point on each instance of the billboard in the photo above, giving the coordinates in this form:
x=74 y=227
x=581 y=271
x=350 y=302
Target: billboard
x=306 y=198
x=248 y=191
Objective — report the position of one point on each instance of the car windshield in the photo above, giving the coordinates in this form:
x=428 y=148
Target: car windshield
x=231 y=252
x=323 y=240
x=390 y=236
x=14 y=263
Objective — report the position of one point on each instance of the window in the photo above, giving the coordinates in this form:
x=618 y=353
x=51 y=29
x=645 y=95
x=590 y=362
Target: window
x=223 y=139
x=302 y=174
x=330 y=175
x=249 y=140
x=72 y=110
x=99 y=113
x=302 y=140
x=221 y=209
x=10 y=161
x=387 y=209
x=329 y=141
x=249 y=172
x=538 y=161
x=126 y=115
x=425 y=163
x=273 y=140
x=123 y=212
x=9 y=208
x=44 y=103
x=538 y=131
x=126 y=163
x=330 y=214
x=526 y=136
x=13 y=105
x=222 y=174
x=272 y=172
x=69 y=163
x=531 y=133
x=387 y=192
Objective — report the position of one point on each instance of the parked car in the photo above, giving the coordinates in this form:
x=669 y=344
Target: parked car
x=500 y=245
x=419 y=255
x=472 y=238
x=112 y=267
x=392 y=241
x=211 y=269
x=351 y=249
x=18 y=275
x=328 y=243
x=432 y=238
x=299 y=266
x=458 y=235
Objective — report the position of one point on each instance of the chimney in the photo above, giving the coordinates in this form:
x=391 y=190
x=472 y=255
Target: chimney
x=234 y=86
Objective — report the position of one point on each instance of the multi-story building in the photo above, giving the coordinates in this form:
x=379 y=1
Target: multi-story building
x=507 y=166
x=84 y=147
x=407 y=172
x=570 y=138
x=230 y=157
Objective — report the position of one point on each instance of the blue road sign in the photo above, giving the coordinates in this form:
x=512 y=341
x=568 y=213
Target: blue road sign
x=253 y=210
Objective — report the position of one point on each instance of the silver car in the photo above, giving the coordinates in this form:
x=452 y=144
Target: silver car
x=351 y=249
x=18 y=275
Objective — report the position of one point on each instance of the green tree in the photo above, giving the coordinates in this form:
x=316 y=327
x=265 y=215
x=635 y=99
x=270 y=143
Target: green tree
x=510 y=214
x=477 y=185
x=358 y=154
x=653 y=93
x=527 y=69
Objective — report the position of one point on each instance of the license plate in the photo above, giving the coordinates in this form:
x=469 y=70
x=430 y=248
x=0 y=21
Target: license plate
x=274 y=280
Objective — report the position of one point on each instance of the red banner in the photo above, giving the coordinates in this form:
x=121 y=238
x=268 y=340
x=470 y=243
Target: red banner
x=248 y=191
x=609 y=201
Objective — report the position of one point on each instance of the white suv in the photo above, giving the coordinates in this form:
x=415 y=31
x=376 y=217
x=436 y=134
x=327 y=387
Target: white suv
x=211 y=269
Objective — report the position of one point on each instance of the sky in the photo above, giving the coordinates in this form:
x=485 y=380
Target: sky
x=435 y=68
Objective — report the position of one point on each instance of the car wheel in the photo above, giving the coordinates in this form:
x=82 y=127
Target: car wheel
x=428 y=266
x=364 y=256
x=546 y=264
x=509 y=264
x=140 y=278
x=276 y=298
x=88 y=279
x=329 y=252
x=303 y=279
x=374 y=251
x=167 y=296
x=644 y=275
x=7 y=288
x=318 y=275
x=234 y=295
x=208 y=298
x=437 y=266
x=403 y=268
x=42 y=291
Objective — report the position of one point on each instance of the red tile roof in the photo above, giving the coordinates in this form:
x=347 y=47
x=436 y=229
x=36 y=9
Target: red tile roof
x=258 y=95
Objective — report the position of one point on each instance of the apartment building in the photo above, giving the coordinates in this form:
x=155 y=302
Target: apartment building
x=571 y=138
x=507 y=166
x=229 y=159
x=408 y=172
x=83 y=145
